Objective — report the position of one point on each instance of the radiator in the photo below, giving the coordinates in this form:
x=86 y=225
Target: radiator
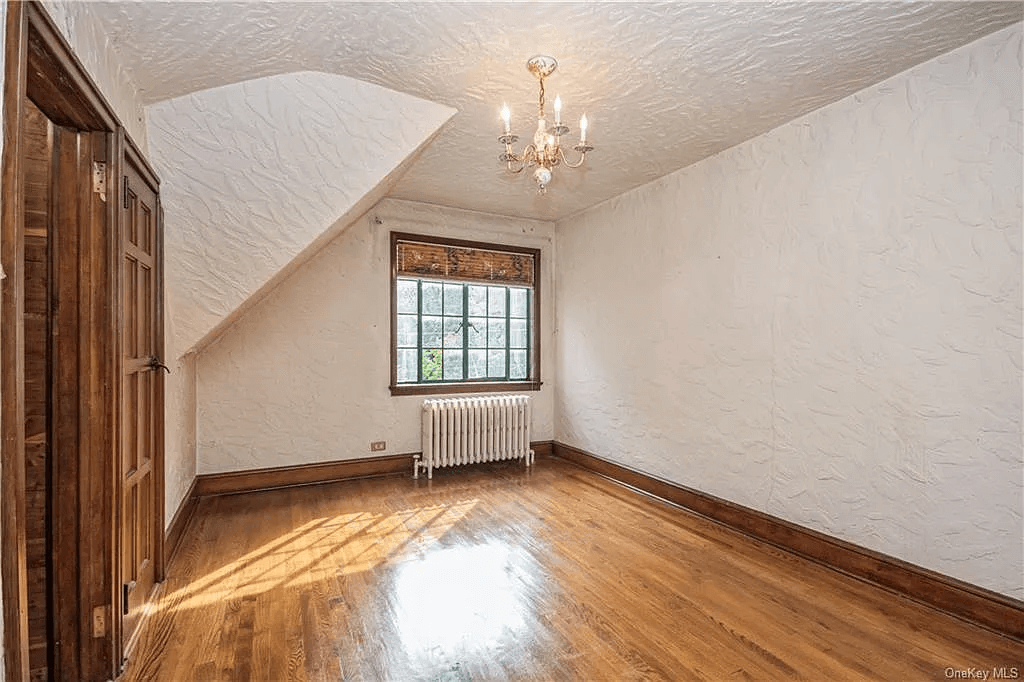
x=468 y=430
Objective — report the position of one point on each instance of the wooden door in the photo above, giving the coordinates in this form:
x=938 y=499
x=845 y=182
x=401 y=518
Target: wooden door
x=142 y=400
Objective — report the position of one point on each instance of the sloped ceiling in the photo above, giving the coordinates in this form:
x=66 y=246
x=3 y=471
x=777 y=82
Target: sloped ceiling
x=665 y=84
x=257 y=176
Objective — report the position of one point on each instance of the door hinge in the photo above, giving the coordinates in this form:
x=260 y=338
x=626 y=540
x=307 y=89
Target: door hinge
x=99 y=179
x=99 y=621
x=125 y=191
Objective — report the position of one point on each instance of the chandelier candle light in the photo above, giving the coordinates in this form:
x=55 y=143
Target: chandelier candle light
x=545 y=151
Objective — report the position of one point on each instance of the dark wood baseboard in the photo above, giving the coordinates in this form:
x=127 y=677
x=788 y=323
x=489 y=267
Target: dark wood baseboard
x=303 y=474
x=252 y=480
x=175 y=531
x=977 y=605
x=542 y=448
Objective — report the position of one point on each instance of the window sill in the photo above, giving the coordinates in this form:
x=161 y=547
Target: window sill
x=467 y=387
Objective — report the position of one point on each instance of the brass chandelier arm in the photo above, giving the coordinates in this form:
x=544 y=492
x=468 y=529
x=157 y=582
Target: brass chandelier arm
x=528 y=158
x=583 y=157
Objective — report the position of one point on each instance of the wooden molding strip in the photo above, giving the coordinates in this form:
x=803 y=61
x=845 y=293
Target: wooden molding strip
x=309 y=474
x=977 y=605
x=176 y=530
x=301 y=474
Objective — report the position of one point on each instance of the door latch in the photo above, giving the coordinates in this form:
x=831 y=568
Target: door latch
x=154 y=364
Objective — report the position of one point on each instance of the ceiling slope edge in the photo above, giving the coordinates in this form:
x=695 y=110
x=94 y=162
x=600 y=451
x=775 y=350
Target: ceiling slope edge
x=257 y=176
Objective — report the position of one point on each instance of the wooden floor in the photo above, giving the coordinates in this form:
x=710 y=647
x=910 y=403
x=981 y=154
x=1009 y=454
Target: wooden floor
x=494 y=573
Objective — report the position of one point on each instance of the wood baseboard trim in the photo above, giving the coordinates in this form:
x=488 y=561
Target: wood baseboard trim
x=542 y=448
x=254 y=480
x=971 y=603
x=176 y=529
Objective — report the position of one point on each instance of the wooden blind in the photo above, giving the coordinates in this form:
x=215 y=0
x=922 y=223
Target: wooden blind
x=419 y=259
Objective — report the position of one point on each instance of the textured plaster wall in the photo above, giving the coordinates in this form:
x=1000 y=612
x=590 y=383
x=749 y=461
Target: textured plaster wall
x=87 y=36
x=254 y=173
x=824 y=322
x=179 y=432
x=255 y=178
x=303 y=376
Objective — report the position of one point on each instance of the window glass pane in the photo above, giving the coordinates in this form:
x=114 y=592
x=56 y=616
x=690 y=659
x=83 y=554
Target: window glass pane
x=453 y=365
x=406 y=366
x=517 y=364
x=477 y=300
x=452 y=333
x=432 y=364
x=496 y=364
x=406 y=333
x=431 y=298
x=453 y=299
x=496 y=301
x=477 y=364
x=517 y=334
x=406 y=292
x=496 y=333
x=517 y=302
x=431 y=332
x=478 y=332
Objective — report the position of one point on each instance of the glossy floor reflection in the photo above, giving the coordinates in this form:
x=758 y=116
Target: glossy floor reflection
x=494 y=573
x=459 y=600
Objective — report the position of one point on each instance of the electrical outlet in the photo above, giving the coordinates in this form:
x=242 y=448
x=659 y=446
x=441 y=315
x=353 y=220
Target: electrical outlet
x=378 y=446
x=99 y=621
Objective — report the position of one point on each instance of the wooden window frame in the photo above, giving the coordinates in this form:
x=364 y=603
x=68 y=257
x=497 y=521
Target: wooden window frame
x=476 y=386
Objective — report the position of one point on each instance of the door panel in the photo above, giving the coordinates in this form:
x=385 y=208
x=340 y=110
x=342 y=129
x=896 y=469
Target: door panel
x=142 y=400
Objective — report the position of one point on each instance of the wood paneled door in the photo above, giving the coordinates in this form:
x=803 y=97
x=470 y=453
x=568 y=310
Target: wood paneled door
x=141 y=398
x=81 y=486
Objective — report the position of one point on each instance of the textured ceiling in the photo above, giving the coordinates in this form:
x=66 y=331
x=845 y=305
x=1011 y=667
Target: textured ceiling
x=664 y=84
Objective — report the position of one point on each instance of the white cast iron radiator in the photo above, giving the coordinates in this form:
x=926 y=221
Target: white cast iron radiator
x=468 y=430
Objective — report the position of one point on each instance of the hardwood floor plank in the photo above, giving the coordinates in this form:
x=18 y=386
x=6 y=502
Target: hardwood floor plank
x=497 y=573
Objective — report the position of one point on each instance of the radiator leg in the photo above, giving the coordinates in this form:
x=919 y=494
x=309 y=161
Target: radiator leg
x=415 y=467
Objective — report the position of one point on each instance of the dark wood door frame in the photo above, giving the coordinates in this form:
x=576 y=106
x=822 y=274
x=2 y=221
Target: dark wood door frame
x=40 y=66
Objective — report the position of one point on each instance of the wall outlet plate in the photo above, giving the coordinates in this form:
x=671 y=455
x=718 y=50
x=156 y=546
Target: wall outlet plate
x=378 y=446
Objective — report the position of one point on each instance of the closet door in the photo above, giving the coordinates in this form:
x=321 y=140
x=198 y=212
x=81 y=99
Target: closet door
x=142 y=399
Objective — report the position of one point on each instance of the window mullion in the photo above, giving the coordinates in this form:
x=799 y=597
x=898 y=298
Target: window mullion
x=508 y=332
x=465 y=332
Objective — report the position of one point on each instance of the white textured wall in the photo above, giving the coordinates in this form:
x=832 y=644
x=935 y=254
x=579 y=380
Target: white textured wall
x=303 y=376
x=824 y=322
x=256 y=178
x=254 y=173
x=179 y=432
x=92 y=45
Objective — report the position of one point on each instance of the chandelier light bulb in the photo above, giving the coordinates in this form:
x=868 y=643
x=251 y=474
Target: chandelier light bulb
x=583 y=128
x=506 y=116
x=558 y=110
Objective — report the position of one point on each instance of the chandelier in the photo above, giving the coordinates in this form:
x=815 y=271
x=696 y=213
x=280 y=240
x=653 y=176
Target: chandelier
x=545 y=151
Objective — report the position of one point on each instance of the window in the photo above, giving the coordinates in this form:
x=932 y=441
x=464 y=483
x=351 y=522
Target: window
x=464 y=316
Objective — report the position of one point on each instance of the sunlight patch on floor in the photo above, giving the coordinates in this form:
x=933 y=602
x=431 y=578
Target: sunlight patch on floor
x=340 y=545
x=459 y=599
